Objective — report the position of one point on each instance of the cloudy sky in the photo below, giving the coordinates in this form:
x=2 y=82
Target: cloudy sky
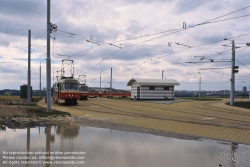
x=137 y=39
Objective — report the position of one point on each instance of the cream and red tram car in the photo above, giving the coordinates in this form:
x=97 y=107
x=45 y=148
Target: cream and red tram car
x=66 y=91
x=83 y=92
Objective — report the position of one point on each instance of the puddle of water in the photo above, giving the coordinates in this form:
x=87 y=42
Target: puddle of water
x=112 y=148
x=208 y=118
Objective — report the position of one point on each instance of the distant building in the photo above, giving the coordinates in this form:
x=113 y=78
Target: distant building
x=244 y=89
x=152 y=88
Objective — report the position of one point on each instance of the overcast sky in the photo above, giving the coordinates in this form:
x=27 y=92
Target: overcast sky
x=111 y=27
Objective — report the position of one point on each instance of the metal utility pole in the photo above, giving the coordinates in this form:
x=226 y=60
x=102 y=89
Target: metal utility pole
x=40 y=71
x=111 y=84
x=29 y=72
x=200 y=86
x=48 y=62
x=162 y=74
x=40 y=84
x=100 y=82
x=248 y=44
x=232 y=76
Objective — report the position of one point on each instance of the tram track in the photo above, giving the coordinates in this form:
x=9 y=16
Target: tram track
x=221 y=116
x=116 y=111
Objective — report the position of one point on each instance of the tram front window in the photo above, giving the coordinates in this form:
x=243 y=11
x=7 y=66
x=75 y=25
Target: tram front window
x=70 y=86
x=83 y=88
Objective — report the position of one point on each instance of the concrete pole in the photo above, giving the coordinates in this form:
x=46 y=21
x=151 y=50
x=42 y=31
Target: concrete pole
x=199 y=85
x=40 y=85
x=110 y=84
x=48 y=149
x=28 y=145
x=162 y=74
x=29 y=72
x=248 y=44
x=100 y=82
x=48 y=62
x=232 y=76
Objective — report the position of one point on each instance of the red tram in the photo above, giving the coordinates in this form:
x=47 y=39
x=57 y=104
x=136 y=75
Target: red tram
x=83 y=92
x=66 y=91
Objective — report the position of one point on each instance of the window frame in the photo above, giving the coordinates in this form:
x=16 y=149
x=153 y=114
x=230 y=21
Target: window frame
x=166 y=88
x=151 y=88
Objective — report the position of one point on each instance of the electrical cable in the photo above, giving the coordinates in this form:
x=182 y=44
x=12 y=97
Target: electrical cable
x=179 y=31
x=103 y=60
x=183 y=30
x=242 y=64
x=178 y=52
x=229 y=13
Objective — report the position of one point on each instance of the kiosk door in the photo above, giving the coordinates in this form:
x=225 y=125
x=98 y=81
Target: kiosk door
x=138 y=92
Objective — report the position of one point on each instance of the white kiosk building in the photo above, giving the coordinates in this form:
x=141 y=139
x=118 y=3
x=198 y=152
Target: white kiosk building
x=153 y=89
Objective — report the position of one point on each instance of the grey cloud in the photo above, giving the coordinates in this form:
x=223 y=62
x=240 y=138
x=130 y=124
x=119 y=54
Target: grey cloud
x=4 y=41
x=81 y=33
x=183 y=6
x=22 y=7
x=217 y=6
x=21 y=25
x=129 y=2
x=17 y=17
x=124 y=54
x=8 y=70
x=141 y=53
x=134 y=27
x=210 y=36
x=155 y=62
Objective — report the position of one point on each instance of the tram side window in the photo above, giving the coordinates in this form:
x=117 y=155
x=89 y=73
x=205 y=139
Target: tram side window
x=58 y=87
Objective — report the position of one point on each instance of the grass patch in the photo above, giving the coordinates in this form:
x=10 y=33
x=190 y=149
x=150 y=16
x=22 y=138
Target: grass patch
x=43 y=113
x=36 y=99
x=19 y=104
x=119 y=98
x=5 y=97
x=200 y=99
x=241 y=104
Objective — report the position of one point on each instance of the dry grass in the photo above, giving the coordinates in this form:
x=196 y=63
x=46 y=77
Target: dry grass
x=5 y=97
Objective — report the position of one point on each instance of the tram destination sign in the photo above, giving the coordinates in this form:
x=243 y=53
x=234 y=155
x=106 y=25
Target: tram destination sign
x=71 y=81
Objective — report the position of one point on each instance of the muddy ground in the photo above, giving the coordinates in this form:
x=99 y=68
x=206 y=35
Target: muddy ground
x=81 y=121
x=16 y=115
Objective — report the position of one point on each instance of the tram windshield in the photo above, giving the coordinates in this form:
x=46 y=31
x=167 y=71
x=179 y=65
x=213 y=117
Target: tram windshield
x=83 y=88
x=70 y=86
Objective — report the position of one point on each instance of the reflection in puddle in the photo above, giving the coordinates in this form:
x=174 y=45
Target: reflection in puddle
x=94 y=147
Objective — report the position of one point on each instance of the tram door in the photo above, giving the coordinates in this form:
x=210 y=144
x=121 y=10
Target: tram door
x=59 y=90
